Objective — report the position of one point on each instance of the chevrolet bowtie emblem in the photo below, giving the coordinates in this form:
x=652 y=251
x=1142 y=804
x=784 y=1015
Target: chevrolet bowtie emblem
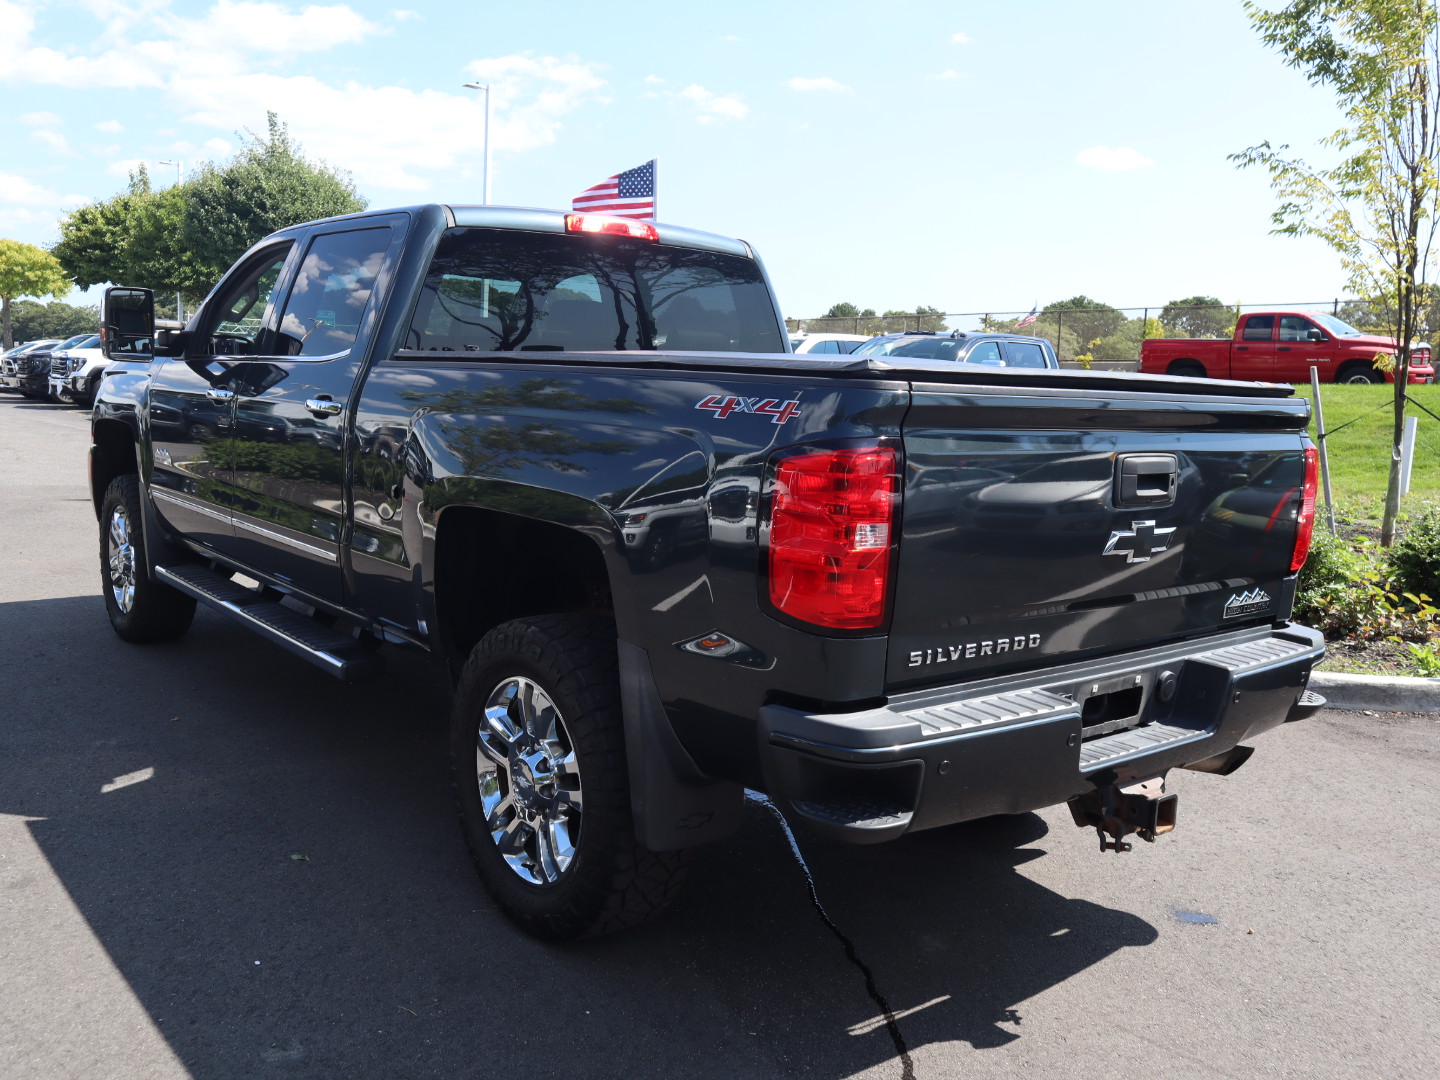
x=1138 y=543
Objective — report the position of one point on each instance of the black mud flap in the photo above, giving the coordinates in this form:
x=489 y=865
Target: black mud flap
x=675 y=804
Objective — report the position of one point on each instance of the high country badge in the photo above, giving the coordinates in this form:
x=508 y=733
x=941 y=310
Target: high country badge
x=1253 y=602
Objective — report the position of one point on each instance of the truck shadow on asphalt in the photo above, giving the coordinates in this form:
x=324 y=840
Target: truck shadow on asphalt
x=270 y=860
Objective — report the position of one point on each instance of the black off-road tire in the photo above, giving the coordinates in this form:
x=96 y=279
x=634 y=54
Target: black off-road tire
x=1359 y=374
x=140 y=610
x=610 y=882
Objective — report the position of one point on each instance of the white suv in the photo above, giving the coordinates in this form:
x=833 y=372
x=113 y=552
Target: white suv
x=75 y=372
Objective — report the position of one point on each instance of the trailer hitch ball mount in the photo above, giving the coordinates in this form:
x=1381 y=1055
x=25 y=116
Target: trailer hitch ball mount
x=1117 y=809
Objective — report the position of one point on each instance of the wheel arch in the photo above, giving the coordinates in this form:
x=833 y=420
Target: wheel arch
x=1350 y=367
x=490 y=567
x=113 y=452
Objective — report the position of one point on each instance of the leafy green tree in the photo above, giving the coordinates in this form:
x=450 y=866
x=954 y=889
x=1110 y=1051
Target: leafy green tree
x=843 y=310
x=26 y=270
x=31 y=320
x=1088 y=319
x=1377 y=208
x=922 y=318
x=183 y=238
x=1199 y=317
x=268 y=186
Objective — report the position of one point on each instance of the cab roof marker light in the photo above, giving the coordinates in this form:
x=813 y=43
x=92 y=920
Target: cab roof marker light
x=611 y=226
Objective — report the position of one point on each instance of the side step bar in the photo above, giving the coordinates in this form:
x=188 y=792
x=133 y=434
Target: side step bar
x=337 y=653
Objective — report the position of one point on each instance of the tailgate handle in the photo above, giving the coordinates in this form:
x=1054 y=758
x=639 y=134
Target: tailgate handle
x=1146 y=479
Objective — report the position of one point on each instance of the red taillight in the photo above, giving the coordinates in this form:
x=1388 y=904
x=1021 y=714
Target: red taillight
x=611 y=226
x=1305 y=523
x=830 y=536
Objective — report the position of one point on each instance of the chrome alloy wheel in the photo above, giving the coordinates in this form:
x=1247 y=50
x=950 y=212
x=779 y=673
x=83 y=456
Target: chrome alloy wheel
x=121 y=554
x=529 y=781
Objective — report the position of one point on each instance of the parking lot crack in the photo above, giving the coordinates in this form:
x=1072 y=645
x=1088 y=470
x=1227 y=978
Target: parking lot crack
x=892 y=1026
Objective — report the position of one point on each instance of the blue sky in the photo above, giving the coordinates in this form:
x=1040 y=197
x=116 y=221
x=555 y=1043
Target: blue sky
x=974 y=157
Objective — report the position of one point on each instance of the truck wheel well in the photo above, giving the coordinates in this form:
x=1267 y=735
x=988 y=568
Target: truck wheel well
x=1359 y=371
x=492 y=567
x=1192 y=369
x=112 y=455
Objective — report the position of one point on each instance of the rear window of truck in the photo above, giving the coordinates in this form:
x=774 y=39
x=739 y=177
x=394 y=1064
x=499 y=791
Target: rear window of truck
x=495 y=290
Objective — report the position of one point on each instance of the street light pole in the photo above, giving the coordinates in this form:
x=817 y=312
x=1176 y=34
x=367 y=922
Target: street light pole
x=179 y=181
x=485 y=176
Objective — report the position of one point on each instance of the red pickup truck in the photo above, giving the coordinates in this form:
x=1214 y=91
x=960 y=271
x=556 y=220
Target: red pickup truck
x=1281 y=347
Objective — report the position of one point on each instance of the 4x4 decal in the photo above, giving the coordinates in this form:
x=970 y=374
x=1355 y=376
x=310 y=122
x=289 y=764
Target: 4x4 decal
x=778 y=411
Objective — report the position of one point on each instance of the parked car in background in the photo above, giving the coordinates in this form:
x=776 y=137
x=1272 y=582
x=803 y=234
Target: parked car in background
x=32 y=369
x=825 y=343
x=1282 y=346
x=9 y=363
x=75 y=371
x=994 y=350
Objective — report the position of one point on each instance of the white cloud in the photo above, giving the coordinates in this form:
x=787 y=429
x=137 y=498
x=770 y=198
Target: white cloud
x=41 y=119
x=805 y=85
x=960 y=38
x=271 y=28
x=110 y=127
x=653 y=79
x=405 y=15
x=218 y=148
x=53 y=139
x=374 y=132
x=125 y=167
x=732 y=37
x=214 y=44
x=710 y=106
x=24 y=204
x=1121 y=159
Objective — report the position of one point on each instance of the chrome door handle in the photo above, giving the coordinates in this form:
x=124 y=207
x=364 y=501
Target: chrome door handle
x=325 y=407
x=217 y=394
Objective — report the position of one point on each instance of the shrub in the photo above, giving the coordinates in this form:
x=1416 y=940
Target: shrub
x=1346 y=590
x=1415 y=560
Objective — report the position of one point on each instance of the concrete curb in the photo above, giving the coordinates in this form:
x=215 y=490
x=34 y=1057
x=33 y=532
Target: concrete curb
x=1377 y=693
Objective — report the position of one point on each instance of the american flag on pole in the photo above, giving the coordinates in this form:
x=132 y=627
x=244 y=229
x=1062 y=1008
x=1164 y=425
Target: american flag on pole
x=630 y=194
x=1028 y=320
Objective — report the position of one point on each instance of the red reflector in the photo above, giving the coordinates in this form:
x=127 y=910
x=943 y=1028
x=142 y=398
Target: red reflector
x=1305 y=524
x=830 y=536
x=611 y=226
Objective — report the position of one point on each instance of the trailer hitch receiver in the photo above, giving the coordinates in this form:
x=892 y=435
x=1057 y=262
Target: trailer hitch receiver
x=1117 y=809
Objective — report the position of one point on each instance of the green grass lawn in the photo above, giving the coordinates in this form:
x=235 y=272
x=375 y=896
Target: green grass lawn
x=1360 y=454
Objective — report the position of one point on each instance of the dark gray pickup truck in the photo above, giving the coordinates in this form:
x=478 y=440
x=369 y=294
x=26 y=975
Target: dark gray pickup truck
x=665 y=561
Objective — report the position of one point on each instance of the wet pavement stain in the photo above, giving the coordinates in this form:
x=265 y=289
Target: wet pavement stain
x=1193 y=918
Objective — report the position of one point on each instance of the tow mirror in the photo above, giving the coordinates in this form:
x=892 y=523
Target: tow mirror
x=1316 y=335
x=128 y=326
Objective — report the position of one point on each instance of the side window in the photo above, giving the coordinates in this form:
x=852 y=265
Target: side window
x=1025 y=354
x=1295 y=328
x=331 y=291
x=239 y=308
x=831 y=347
x=1258 y=328
x=987 y=352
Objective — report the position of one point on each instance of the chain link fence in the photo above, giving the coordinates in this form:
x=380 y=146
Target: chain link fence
x=1113 y=335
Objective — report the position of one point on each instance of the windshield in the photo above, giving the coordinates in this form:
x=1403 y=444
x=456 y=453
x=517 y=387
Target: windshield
x=1338 y=327
x=925 y=348
x=498 y=290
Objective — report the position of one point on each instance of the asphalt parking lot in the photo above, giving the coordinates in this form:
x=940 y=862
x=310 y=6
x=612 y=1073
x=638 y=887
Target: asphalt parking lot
x=216 y=862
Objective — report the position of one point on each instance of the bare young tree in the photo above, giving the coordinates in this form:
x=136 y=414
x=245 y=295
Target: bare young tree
x=1378 y=206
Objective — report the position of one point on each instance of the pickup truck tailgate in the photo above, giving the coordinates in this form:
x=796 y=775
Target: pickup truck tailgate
x=1043 y=525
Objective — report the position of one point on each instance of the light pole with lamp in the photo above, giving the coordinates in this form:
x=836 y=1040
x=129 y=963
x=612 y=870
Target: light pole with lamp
x=485 y=176
x=179 y=181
